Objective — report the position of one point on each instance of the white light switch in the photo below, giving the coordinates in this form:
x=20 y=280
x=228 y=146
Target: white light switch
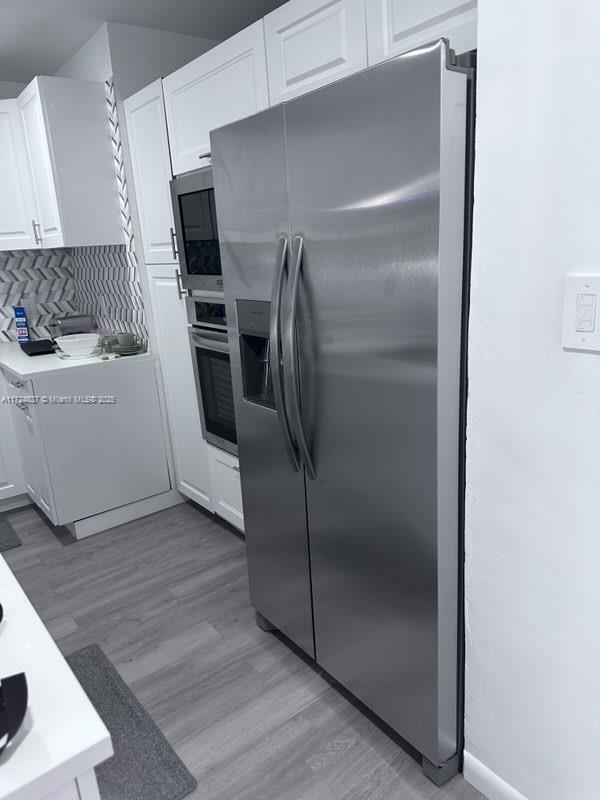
x=581 y=313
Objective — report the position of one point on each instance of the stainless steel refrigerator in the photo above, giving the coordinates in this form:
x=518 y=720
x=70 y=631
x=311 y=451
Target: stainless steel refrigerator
x=341 y=222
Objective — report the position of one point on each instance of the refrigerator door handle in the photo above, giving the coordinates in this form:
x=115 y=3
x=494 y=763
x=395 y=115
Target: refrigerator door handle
x=296 y=414
x=275 y=351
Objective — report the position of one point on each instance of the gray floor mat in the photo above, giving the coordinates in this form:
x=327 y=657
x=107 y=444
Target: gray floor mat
x=8 y=537
x=145 y=766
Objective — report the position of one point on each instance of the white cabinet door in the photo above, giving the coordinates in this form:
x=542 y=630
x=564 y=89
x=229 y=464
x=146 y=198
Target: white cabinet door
x=27 y=449
x=395 y=26
x=190 y=453
x=17 y=201
x=11 y=473
x=103 y=455
x=66 y=792
x=149 y=146
x=226 y=486
x=33 y=459
x=222 y=85
x=311 y=43
x=36 y=140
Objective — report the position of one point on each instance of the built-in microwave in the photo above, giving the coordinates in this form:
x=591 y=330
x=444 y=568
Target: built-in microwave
x=196 y=235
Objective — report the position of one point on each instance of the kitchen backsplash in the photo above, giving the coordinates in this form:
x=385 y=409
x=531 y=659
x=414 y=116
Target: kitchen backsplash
x=42 y=280
x=107 y=286
x=101 y=281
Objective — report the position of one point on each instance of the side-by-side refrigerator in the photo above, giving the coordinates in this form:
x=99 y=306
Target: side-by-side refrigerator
x=341 y=223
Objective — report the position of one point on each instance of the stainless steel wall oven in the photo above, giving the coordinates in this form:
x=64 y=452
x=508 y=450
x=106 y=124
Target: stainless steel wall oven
x=212 y=370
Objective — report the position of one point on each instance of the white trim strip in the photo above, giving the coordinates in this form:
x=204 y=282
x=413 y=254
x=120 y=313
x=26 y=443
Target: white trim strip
x=487 y=782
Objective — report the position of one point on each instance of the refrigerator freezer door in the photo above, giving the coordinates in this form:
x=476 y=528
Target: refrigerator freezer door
x=376 y=188
x=253 y=212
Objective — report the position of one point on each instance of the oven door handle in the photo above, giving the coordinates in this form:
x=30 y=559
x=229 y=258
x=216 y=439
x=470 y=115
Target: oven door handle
x=276 y=352
x=209 y=342
x=296 y=412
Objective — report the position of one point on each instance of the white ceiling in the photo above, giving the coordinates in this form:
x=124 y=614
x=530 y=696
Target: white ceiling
x=38 y=36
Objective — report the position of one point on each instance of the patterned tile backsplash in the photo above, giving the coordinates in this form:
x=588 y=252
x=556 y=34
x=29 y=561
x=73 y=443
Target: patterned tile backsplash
x=101 y=281
x=107 y=286
x=42 y=280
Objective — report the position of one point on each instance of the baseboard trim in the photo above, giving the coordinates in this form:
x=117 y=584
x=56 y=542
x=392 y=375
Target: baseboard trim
x=118 y=516
x=487 y=782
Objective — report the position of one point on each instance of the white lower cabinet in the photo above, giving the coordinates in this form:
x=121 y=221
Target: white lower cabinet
x=226 y=486
x=66 y=792
x=90 y=437
x=84 y=787
x=11 y=471
x=396 y=26
x=29 y=442
x=35 y=471
x=190 y=454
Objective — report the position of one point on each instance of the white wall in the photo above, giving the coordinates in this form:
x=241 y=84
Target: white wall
x=135 y=56
x=140 y=55
x=533 y=463
x=10 y=89
x=91 y=62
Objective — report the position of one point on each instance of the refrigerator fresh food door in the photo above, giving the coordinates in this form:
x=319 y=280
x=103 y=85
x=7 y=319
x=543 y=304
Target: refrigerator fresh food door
x=252 y=207
x=376 y=187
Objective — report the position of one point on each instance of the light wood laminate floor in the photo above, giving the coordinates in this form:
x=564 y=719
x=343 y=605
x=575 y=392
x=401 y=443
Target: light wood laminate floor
x=166 y=597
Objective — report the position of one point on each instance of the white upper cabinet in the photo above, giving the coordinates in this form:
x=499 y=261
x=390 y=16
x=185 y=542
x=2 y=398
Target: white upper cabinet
x=395 y=26
x=311 y=43
x=221 y=86
x=151 y=163
x=49 y=229
x=17 y=201
x=65 y=139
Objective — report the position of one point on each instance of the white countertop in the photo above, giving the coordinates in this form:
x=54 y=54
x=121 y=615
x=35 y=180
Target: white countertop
x=19 y=363
x=62 y=736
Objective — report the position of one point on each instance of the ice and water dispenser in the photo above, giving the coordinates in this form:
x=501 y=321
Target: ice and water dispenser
x=253 y=317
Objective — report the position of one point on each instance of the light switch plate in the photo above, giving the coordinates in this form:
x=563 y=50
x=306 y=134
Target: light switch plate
x=581 y=313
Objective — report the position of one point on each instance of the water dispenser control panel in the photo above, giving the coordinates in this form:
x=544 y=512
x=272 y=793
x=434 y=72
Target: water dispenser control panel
x=253 y=321
x=254 y=317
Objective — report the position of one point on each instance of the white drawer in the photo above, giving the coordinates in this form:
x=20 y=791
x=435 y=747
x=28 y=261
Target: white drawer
x=226 y=486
